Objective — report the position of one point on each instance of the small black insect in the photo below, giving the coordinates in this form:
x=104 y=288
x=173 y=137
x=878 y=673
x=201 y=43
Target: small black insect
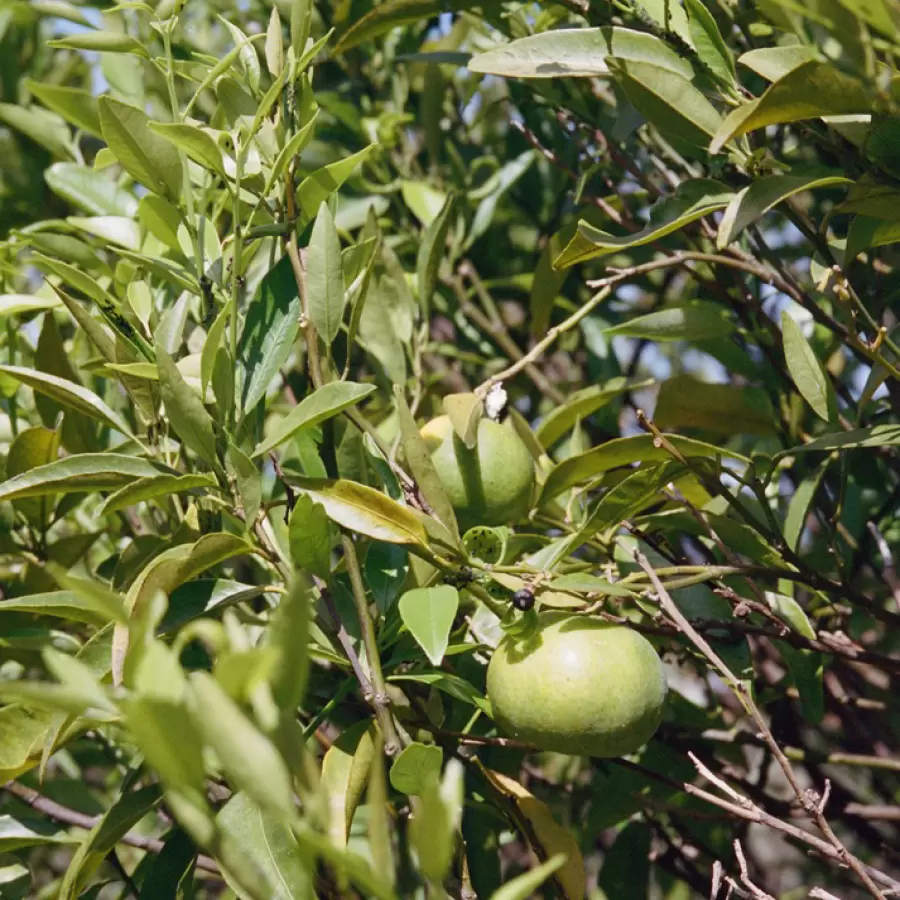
x=523 y=600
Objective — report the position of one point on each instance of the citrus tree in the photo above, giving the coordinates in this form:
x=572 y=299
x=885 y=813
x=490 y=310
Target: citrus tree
x=449 y=449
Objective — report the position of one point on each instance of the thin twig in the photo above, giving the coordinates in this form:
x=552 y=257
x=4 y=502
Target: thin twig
x=67 y=816
x=807 y=802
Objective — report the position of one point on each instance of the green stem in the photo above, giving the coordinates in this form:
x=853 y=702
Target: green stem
x=381 y=700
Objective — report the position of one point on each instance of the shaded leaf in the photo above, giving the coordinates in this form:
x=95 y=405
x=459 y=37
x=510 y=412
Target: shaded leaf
x=270 y=329
x=623 y=452
x=120 y=818
x=692 y=200
x=185 y=411
x=726 y=409
x=697 y=320
x=431 y=251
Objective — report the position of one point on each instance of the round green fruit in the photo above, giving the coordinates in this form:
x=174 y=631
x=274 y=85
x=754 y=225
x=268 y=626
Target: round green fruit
x=492 y=483
x=578 y=686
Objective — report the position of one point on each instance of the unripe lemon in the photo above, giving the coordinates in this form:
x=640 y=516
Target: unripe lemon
x=578 y=686
x=490 y=484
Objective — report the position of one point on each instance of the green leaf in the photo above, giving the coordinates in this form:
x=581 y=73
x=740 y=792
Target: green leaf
x=805 y=368
x=725 y=409
x=31 y=448
x=753 y=202
x=74 y=104
x=248 y=758
x=84 y=472
x=269 y=843
x=324 y=403
x=345 y=772
x=45 y=128
x=866 y=232
x=772 y=63
x=435 y=819
x=309 y=535
x=185 y=411
x=94 y=594
x=582 y=582
x=90 y=190
x=168 y=737
x=101 y=42
x=669 y=102
x=874 y=436
x=16 y=304
x=147 y=157
x=692 y=200
x=582 y=404
x=118 y=820
x=807 y=91
x=465 y=412
x=195 y=142
x=161 y=218
x=22 y=730
x=628 y=498
x=270 y=329
x=385 y=568
x=798 y=508
x=393 y=13
x=357 y=507
x=422 y=468
x=431 y=252
x=324 y=278
x=68 y=394
x=171 y=871
x=274 y=48
x=524 y=886
x=416 y=768
x=318 y=187
x=247 y=480
x=626 y=865
x=153 y=488
x=293 y=148
x=16 y=835
x=623 y=452
x=69 y=605
x=194 y=599
x=708 y=42
x=428 y=613
x=246 y=54
x=567 y=52
x=289 y=636
x=697 y=320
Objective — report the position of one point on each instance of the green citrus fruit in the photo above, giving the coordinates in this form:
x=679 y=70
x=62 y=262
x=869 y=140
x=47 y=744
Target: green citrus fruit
x=492 y=483
x=578 y=686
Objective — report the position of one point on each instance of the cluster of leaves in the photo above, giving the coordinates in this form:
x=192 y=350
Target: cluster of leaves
x=244 y=256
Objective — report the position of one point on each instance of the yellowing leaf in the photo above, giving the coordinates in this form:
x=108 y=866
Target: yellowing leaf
x=550 y=836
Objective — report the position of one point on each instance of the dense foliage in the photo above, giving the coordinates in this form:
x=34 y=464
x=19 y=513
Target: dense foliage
x=248 y=250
